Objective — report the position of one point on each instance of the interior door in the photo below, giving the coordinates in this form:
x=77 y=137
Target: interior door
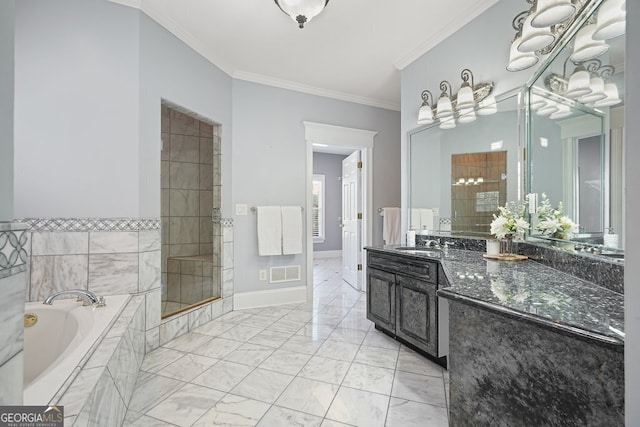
x=351 y=225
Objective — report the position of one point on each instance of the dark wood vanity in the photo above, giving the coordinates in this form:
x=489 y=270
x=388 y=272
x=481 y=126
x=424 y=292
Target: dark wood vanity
x=402 y=300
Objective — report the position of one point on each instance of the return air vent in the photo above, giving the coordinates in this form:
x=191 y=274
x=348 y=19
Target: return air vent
x=289 y=273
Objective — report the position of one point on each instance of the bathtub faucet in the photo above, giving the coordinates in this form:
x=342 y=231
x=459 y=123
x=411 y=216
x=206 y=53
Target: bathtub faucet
x=87 y=297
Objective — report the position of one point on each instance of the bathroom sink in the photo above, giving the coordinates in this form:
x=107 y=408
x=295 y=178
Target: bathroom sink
x=434 y=252
x=618 y=255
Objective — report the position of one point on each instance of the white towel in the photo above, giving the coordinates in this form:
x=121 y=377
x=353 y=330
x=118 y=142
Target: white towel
x=391 y=226
x=426 y=219
x=291 y=230
x=416 y=221
x=269 y=230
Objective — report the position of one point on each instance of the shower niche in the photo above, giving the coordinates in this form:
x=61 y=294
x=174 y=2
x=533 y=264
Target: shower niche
x=190 y=193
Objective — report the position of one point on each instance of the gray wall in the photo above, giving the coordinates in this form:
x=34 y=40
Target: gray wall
x=269 y=152
x=171 y=70
x=92 y=74
x=482 y=46
x=7 y=21
x=330 y=165
x=76 y=113
x=632 y=232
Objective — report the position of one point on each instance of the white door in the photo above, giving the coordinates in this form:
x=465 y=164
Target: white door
x=351 y=225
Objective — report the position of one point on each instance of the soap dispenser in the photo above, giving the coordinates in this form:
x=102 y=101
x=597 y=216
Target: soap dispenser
x=610 y=239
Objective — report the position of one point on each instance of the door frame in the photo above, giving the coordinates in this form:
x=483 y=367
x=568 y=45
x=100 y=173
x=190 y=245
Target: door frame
x=358 y=139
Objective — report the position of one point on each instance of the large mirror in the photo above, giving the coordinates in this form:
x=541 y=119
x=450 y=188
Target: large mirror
x=458 y=177
x=575 y=122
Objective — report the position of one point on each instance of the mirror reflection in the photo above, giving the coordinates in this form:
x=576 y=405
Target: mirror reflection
x=458 y=177
x=575 y=136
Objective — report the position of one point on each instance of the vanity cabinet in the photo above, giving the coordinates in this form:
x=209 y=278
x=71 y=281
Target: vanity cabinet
x=401 y=298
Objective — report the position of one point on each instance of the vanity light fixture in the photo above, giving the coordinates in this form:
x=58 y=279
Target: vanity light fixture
x=444 y=109
x=597 y=91
x=539 y=29
x=586 y=84
x=611 y=20
x=585 y=47
x=551 y=12
x=460 y=108
x=302 y=11
x=612 y=96
x=487 y=106
x=425 y=115
x=562 y=112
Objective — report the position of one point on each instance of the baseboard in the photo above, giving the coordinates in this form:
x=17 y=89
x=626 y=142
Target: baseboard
x=269 y=297
x=327 y=254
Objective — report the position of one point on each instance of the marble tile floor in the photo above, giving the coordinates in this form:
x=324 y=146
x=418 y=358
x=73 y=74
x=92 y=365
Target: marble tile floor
x=314 y=364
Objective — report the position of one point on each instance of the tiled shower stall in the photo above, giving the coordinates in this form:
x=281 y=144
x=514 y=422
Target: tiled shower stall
x=191 y=231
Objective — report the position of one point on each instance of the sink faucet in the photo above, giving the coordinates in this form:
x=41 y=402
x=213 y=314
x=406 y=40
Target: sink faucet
x=87 y=297
x=432 y=244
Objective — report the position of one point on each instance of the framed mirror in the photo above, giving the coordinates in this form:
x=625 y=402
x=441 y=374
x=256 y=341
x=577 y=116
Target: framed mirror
x=574 y=134
x=458 y=177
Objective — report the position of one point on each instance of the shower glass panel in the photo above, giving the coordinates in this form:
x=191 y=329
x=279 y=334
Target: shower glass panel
x=191 y=265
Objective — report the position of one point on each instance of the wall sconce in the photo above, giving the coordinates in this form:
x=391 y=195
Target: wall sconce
x=540 y=28
x=586 y=84
x=461 y=107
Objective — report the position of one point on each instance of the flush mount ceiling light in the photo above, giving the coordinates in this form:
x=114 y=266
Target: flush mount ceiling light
x=302 y=11
x=462 y=108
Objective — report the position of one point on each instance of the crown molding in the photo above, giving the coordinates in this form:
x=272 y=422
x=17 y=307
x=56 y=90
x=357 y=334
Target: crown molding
x=313 y=90
x=151 y=10
x=449 y=27
x=131 y=3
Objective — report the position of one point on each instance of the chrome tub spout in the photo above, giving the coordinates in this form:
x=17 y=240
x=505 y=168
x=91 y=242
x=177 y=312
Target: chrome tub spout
x=87 y=297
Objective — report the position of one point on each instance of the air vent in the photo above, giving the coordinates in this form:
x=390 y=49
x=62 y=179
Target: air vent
x=289 y=273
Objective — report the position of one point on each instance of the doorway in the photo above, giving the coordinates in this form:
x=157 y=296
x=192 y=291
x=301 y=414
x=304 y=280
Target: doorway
x=328 y=137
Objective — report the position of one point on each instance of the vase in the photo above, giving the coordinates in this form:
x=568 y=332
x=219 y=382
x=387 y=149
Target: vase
x=506 y=246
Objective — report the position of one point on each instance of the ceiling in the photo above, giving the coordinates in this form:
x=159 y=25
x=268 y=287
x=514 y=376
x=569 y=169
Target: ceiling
x=353 y=51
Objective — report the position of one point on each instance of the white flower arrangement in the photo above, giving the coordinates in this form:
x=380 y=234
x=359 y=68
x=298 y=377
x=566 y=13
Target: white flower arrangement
x=510 y=222
x=552 y=222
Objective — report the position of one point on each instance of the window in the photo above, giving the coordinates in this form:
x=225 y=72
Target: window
x=318 y=209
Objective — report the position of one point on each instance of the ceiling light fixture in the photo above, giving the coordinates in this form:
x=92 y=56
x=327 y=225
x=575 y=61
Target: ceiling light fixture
x=462 y=107
x=302 y=11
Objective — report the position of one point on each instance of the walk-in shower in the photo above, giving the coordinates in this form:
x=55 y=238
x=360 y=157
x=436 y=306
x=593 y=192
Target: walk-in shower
x=190 y=182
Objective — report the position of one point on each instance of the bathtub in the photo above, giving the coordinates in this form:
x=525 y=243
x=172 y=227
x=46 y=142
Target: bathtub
x=58 y=342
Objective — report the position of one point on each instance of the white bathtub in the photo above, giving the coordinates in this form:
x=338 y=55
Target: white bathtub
x=58 y=342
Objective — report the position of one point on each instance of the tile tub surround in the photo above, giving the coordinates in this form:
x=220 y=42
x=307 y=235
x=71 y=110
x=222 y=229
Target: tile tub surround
x=14 y=253
x=532 y=292
x=271 y=366
x=504 y=372
x=99 y=390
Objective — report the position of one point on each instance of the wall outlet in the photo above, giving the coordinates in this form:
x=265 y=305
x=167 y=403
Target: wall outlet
x=241 y=209
x=263 y=275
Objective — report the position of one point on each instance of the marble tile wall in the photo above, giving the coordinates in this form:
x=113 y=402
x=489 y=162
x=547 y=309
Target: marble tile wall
x=182 y=323
x=14 y=243
x=103 y=255
x=99 y=392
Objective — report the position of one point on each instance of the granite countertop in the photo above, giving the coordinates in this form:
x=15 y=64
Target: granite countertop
x=529 y=291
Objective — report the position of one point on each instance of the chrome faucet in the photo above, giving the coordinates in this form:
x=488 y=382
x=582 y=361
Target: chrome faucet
x=432 y=244
x=87 y=297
